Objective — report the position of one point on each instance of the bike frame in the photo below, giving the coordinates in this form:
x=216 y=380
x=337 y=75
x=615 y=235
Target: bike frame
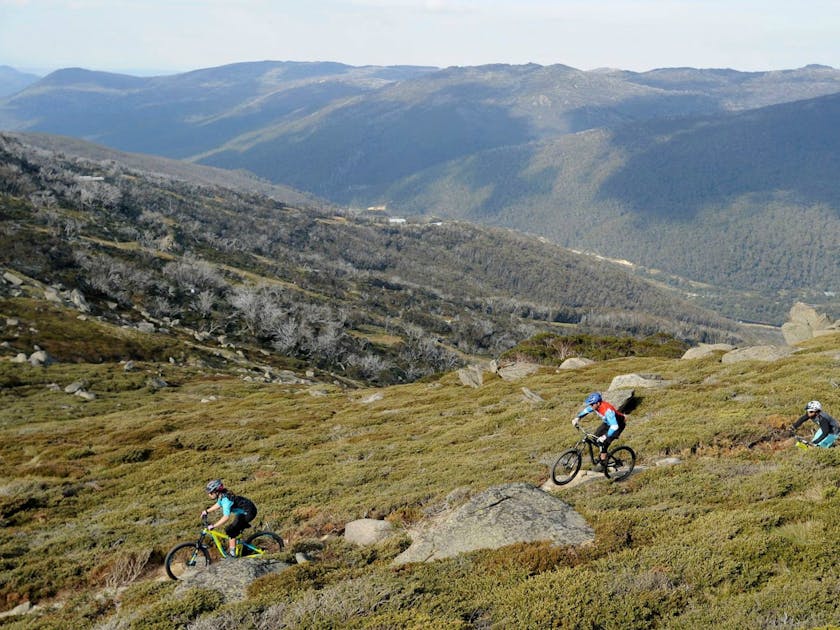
x=220 y=538
x=591 y=441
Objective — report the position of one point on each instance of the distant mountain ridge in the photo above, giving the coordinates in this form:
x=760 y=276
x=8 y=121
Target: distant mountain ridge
x=12 y=80
x=650 y=160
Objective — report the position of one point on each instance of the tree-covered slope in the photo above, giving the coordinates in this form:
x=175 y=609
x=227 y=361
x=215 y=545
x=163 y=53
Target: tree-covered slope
x=359 y=296
x=745 y=200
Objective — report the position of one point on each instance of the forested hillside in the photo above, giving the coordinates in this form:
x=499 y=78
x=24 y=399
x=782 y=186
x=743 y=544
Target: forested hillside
x=746 y=200
x=357 y=296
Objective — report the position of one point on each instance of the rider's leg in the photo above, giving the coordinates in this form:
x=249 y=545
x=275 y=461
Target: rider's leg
x=823 y=440
x=602 y=430
x=233 y=530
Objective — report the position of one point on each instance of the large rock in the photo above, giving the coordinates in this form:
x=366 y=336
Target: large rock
x=230 y=577
x=367 y=531
x=499 y=516
x=630 y=381
x=619 y=398
x=705 y=349
x=12 y=279
x=573 y=363
x=517 y=370
x=757 y=353
x=805 y=323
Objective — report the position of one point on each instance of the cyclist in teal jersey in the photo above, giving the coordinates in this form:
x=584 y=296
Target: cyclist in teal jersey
x=237 y=512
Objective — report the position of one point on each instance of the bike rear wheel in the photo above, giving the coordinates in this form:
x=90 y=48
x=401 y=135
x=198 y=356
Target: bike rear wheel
x=566 y=466
x=620 y=463
x=266 y=542
x=185 y=559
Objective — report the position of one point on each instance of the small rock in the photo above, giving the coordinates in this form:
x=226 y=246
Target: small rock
x=84 y=395
x=367 y=531
x=669 y=461
x=75 y=386
x=471 y=376
x=12 y=279
x=531 y=396
x=39 y=358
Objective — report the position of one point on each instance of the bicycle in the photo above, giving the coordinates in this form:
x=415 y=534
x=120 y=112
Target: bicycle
x=187 y=557
x=619 y=463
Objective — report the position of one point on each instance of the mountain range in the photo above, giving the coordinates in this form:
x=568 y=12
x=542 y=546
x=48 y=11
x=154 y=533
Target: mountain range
x=719 y=176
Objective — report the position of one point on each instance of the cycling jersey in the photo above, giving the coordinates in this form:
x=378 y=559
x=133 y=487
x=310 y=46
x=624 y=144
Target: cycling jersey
x=611 y=416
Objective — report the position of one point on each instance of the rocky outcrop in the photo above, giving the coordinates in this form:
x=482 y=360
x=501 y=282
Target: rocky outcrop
x=629 y=381
x=517 y=371
x=499 y=516
x=705 y=349
x=619 y=398
x=757 y=353
x=805 y=323
x=231 y=578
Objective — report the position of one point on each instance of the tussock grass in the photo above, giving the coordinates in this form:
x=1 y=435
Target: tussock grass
x=96 y=493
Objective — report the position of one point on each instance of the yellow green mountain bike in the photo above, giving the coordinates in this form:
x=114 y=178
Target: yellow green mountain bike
x=187 y=557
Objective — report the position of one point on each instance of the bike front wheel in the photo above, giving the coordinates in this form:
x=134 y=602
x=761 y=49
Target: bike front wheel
x=566 y=466
x=262 y=542
x=185 y=559
x=620 y=463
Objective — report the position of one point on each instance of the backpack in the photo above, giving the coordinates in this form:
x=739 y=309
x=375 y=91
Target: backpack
x=245 y=505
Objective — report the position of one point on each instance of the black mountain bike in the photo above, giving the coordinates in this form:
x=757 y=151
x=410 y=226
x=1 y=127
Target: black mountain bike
x=619 y=463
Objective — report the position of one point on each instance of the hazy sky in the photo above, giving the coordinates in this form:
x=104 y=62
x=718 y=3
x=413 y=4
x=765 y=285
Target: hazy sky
x=143 y=36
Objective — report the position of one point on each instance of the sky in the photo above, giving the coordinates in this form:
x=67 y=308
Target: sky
x=167 y=36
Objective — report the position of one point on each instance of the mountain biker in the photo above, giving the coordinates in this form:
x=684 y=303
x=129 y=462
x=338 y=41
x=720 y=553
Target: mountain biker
x=237 y=512
x=829 y=428
x=611 y=427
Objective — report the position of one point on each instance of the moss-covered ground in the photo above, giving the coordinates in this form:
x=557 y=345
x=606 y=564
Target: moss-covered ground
x=744 y=532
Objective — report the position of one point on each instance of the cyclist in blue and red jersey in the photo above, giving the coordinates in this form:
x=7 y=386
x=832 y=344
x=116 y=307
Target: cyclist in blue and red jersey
x=611 y=427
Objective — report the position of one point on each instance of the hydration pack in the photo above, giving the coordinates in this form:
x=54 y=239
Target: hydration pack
x=245 y=505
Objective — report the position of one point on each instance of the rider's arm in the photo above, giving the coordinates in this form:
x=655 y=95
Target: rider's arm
x=799 y=421
x=580 y=415
x=227 y=505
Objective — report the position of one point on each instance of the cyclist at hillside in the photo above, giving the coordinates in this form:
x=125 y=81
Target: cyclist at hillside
x=237 y=512
x=611 y=427
x=829 y=428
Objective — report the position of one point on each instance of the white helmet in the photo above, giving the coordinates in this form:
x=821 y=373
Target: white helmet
x=813 y=405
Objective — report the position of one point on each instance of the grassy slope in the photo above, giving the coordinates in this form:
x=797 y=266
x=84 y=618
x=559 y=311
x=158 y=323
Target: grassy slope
x=731 y=536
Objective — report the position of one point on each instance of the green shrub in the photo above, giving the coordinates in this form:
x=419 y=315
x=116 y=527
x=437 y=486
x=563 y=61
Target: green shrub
x=178 y=613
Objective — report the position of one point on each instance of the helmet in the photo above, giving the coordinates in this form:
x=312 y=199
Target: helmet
x=594 y=398
x=214 y=485
x=814 y=405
